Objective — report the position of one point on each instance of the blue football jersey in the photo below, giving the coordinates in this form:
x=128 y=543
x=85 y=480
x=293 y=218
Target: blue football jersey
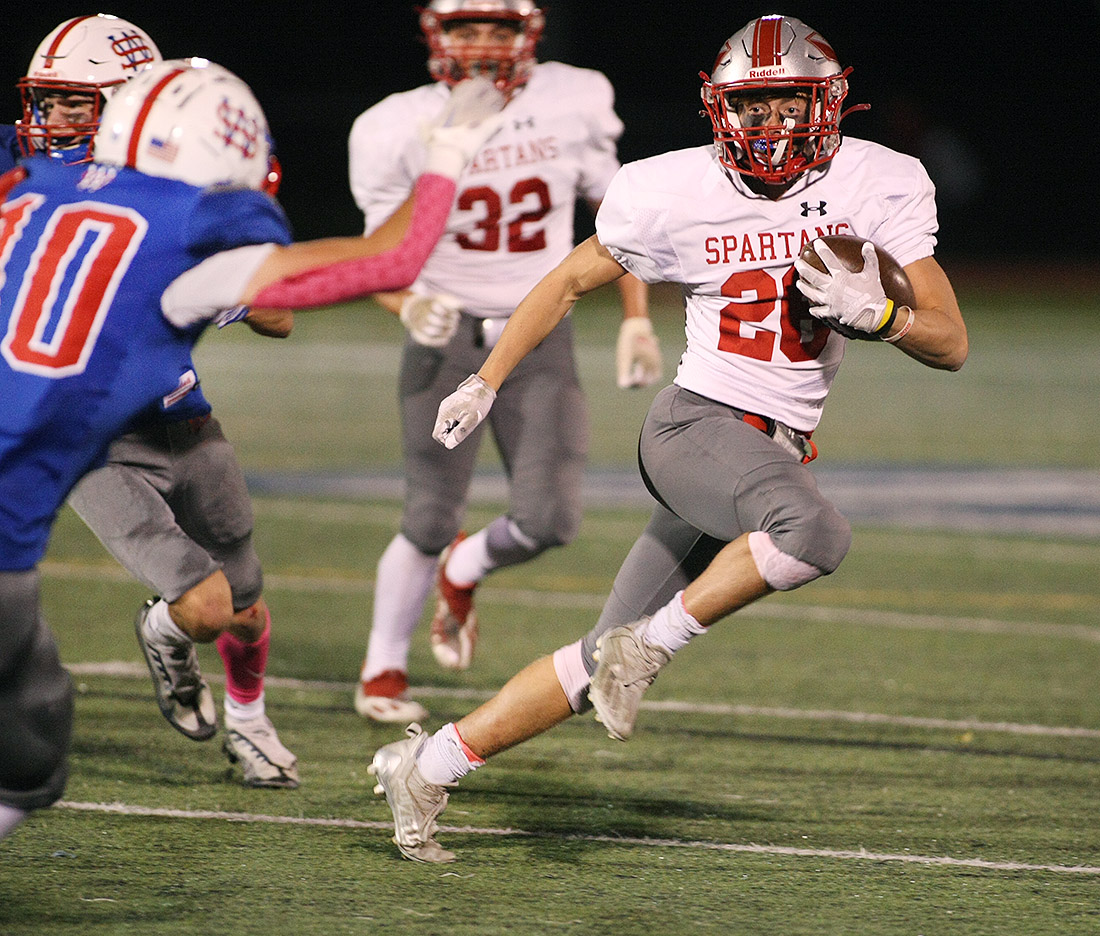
x=85 y=254
x=10 y=153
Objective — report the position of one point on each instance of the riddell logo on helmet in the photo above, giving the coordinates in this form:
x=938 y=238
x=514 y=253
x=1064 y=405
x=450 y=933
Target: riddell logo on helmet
x=771 y=71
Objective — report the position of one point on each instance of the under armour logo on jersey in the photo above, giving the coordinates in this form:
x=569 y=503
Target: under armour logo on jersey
x=807 y=208
x=520 y=124
x=238 y=129
x=134 y=48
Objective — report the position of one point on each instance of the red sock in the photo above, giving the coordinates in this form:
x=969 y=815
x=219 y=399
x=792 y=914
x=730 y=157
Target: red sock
x=245 y=663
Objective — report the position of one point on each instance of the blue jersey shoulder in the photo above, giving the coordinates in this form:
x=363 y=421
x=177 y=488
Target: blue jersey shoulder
x=10 y=153
x=89 y=251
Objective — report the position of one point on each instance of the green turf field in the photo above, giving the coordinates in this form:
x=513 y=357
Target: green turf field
x=911 y=746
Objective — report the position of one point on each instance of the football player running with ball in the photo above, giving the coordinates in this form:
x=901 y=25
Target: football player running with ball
x=512 y=222
x=723 y=449
x=110 y=271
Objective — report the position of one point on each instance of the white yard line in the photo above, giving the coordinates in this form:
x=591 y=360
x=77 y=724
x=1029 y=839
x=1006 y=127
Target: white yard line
x=126 y=669
x=530 y=598
x=753 y=849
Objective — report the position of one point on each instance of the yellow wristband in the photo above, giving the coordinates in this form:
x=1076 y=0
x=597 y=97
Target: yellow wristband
x=888 y=316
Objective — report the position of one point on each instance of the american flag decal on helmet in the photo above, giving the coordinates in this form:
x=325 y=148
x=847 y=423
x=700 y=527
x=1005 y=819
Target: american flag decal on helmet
x=163 y=149
x=134 y=48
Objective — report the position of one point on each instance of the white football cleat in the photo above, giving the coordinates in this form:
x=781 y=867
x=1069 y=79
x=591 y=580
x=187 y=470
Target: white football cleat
x=414 y=802
x=454 y=626
x=183 y=696
x=384 y=698
x=254 y=744
x=625 y=667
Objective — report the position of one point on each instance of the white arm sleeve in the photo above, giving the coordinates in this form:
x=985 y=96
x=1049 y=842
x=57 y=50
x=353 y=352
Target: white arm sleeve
x=213 y=286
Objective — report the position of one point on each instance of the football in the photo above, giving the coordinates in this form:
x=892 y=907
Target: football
x=849 y=249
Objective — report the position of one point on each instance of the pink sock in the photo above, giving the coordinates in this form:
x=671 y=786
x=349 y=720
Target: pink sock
x=245 y=663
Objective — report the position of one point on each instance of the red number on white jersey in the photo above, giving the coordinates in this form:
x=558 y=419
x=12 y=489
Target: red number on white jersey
x=68 y=285
x=520 y=239
x=757 y=294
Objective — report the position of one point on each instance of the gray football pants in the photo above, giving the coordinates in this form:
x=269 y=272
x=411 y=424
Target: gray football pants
x=715 y=477
x=539 y=422
x=171 y=505
x=36 y=700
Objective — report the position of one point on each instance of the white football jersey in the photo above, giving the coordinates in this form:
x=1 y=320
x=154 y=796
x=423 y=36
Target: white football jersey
x=513 y=216
x=680 y=218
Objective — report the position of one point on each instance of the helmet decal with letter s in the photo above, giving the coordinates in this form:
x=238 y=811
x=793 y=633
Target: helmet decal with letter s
x=191 y=120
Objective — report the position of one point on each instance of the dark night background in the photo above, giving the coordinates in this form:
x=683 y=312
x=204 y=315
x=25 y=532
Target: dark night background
x=999 y=99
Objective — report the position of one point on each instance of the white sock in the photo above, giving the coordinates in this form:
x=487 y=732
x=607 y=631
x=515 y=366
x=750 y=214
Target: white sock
x=10 y=817
x=405 y=576
x=244 y=711
x=444 y=758
x=469 y=561
x=160 y=623
x=671 y=627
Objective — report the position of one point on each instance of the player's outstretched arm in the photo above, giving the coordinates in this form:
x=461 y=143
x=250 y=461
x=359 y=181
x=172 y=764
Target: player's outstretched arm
x=321 y=272
x=588 y=266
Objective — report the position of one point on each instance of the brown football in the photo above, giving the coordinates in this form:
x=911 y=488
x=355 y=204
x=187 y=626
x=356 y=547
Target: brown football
x=849 y=249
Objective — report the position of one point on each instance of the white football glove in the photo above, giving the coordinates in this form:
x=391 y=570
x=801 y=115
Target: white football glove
x=470 y=116
x=462 y=412
x=431 y=320
x=855 y=300
x=637 y=353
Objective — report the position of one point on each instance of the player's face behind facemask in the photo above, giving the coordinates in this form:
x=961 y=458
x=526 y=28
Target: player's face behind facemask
x=492 y=39
x=73 y=72
x=774 y=99
x=190 y=120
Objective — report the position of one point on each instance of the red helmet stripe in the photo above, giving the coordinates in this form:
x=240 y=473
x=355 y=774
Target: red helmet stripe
x=766 y=38
x=143 y=114
x=59 y=38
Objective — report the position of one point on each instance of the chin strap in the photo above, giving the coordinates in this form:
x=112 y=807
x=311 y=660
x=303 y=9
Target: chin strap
x=391 y=270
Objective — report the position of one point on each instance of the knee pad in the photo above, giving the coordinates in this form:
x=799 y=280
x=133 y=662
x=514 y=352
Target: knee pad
x=573 y=676
x=814 y=532
x=780 y=570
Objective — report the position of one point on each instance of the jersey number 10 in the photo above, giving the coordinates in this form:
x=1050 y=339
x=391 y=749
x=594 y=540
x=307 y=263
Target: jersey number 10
x=68 y=284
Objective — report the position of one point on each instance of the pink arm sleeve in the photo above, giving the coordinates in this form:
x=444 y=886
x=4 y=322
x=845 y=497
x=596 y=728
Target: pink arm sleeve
x=388 y=271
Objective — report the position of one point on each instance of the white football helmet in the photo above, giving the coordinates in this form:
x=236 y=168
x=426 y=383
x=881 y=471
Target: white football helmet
x=187 y=119
x=84 y=60
x=451 y=60
x=776 y=56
